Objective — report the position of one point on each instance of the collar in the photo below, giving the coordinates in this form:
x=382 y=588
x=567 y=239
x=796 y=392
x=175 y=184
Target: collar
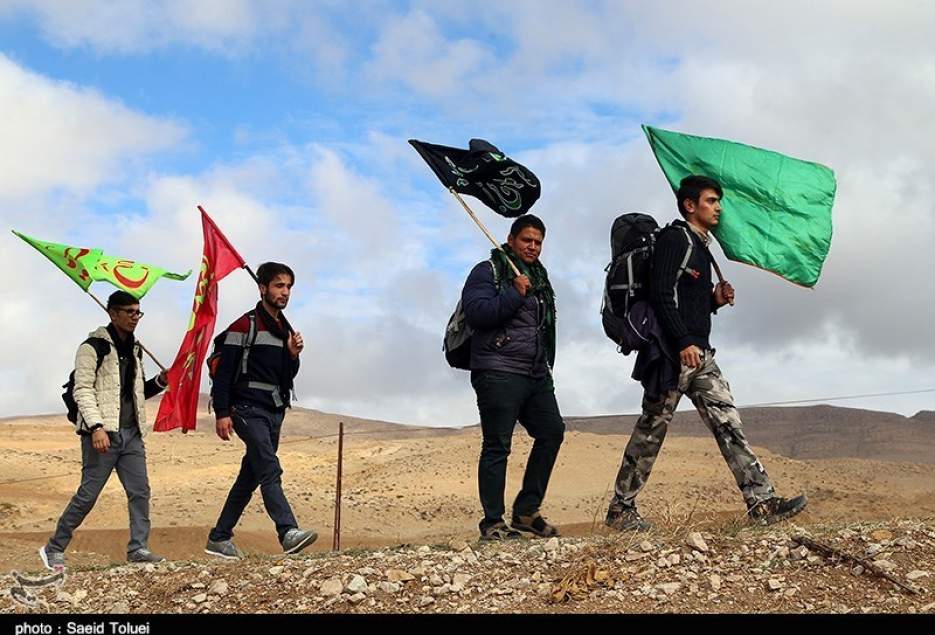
x=124 y=347
x=705 y=238
x=279 y=326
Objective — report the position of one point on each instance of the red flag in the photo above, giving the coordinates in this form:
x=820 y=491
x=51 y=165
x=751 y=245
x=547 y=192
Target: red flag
x=180 y=402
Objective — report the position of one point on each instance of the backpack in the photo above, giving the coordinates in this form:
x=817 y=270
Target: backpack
x=458 y=334
x=632 y=243
x=214 y=359
x=101 y=347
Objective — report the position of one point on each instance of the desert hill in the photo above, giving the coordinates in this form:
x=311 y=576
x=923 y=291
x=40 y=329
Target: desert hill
x=810 y=432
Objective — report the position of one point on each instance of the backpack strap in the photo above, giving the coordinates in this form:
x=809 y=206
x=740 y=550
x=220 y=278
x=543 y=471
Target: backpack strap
x=248 y=342
x=684 y=266
x=101 y=347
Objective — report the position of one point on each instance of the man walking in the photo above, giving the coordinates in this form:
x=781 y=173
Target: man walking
x=512 y=353
x=109 y=389
x=683 y=299
x=251 y=391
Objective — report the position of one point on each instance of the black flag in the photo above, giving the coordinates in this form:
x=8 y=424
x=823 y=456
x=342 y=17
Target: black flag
x=484 y=172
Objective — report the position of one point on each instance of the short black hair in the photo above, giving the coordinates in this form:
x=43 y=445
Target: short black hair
x=266 y=272
x=692 y=186
x=120 y=298
x=524 y=221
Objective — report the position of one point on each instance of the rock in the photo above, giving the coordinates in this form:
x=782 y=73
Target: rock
x=789 y=592
x=915 y=575
x=331 y=587
x=197 y=585
x=812 y=559
x=928 y=608
x=858 y=570
x=276 y=570
x=121 y=606
x=696 y=542
x=398 y=575
x=456 y=544
x=149 y=567
x=357 y=598
x=715 y=581
x=799 y=553
x=773 y=584
x=357 y=584
x=551 y=545
x=886 y=565
x=874 y=548
x=662 y=563
x=426 y=600
x=218 y=587
x=674 y=559
x=633 y=557
x=880 y=535
x=424 y=549
x=200 y=598
x=669 y=587
x=781 y=552
x=544 y=589
x=646 y=546
x=462 y=579
x=389 y=587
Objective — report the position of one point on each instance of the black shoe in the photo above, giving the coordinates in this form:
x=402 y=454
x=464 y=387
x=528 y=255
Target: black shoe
x=774 y=509
x=534 y=524
x=498 y=531
x=626 y=520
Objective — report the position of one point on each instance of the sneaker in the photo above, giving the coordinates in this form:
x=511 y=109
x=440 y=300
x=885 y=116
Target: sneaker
x=534 y=524
x=144 y=555
x=296 y=540
x=498 y=531
x=626 y=520
x=53 y=560
x=774 y=509
x=223 y=549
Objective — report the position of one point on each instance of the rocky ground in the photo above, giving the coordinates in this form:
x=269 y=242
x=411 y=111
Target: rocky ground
x=683 y=568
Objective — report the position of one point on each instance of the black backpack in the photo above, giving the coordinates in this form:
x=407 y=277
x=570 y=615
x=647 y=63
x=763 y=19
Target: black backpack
x=632 y=241
x=101 y=347
x=458 y=334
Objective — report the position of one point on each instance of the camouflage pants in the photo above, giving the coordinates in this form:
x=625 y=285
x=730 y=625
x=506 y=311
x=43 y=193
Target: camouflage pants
x=710 y=393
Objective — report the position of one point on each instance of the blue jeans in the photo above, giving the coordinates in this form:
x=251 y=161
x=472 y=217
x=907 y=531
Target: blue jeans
x=259 y=429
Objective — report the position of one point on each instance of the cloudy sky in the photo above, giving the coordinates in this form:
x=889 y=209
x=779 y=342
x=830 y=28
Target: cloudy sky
x=288 y=121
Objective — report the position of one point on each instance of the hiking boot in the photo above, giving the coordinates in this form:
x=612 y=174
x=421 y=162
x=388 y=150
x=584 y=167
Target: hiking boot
x=498 y=531
x=774 y=509
x=223 y=549
x=53 y=560
x=296 y=540
x=144 y=555
x=535 y=524
x=626 y=520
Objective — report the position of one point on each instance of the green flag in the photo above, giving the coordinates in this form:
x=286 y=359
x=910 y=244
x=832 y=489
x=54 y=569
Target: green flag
x=85 y=266
x=776 y=210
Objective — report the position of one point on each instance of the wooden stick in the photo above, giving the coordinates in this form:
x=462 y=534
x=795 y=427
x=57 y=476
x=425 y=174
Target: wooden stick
x=336 y=544
x=828 y=550
x=145 y=350
x=483 y=229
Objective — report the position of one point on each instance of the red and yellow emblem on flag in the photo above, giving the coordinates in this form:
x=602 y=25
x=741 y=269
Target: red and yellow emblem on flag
x=180 y=403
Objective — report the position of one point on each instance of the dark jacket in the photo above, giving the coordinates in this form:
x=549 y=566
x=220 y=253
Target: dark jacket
x=657 y=365
x=268 y=363
x=507 y=326
x=683 y=308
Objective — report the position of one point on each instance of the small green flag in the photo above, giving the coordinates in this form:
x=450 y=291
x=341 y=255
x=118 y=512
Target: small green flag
x=85 y=266
x=776 y=210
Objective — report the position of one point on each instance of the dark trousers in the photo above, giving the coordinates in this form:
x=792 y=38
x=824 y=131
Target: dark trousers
x=502 y=399
x=259 y=430
x=127 y=455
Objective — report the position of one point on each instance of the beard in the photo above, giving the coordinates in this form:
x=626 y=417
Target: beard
x=276 y=302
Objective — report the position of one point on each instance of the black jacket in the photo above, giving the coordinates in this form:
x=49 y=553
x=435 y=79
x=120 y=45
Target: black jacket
x=268 y=363
x=508 y=334
x=683 y=308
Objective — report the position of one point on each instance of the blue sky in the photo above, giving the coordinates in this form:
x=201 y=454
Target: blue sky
x=289 y=121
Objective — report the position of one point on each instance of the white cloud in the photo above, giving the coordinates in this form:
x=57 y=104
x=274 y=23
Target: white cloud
x=60 y=136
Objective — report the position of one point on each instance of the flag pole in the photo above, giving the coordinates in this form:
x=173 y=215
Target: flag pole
x=145 y=350
x=482 y=228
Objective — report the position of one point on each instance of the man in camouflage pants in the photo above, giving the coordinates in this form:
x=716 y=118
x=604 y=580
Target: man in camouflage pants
x=683 y=299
